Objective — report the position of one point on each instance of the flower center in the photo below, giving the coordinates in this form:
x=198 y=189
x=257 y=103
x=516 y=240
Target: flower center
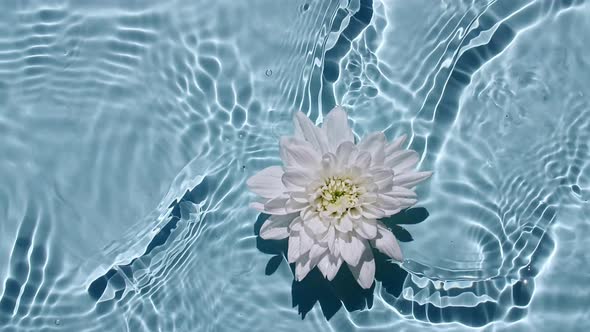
x=336 y=196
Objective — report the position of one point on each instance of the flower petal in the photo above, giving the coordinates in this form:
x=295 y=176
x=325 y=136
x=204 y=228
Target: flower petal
x=272 y=206
x=402 y=160
x=363 y=160
x=317 y=251
x=293 y=252
x=330 y=238
x=337 y=129
x=295 y=180
x=311 y=133
x=395 y=145
x=364 y=272
x=302 y=268
x=352 y=249
x=329 y=266
x=276 y=227
x=387 y=243
x=265 y=184
x=370 y=211
x=383 y=178
x=316 y=226
x=345 y=224
x=411 y=179
x=305 y=242
x=374 y=143
x=398 y=197
x=299 y=154
x=366 y=229
x=344 y=152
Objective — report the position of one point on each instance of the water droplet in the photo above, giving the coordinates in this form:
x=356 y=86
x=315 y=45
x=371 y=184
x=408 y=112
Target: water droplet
x=268 y=73
x=57 y=322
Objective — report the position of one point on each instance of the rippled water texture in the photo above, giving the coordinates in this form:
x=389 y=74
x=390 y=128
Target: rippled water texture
x=128 y=129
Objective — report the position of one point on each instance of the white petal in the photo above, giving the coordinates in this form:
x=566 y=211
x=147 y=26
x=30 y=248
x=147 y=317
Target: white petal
x=330 y=165
x=364 y=272
x=344 y=153
x=265 y=184
x=363 y=160
x=302 y=268
x=299 y=154
x=329 y=238
x=352 y=249
x=411 y=179
x=295 y=180
x=293 y=252
x=272 y=206
x=398 y=197
x=395 y=145
x=305 y=242
x=317 y=251
x=344 y=225
x=316 y=226
x=402 y=160
x=329 y=266
x=311 y=133
x=387 y=243
x=296 y=225
x=276 y=227
x=383 y=178
x=337 y=129
x=370 y=211
x=367 y=229
x=299 y=196
x=374 y=143
x=293 y=206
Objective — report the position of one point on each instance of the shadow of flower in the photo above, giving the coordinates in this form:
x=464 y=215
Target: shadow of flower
x=343 y=290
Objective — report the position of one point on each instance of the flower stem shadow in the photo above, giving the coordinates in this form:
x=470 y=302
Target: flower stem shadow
x=343 y=290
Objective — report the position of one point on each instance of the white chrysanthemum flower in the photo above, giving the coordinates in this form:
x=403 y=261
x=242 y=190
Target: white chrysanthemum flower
x=330 y=192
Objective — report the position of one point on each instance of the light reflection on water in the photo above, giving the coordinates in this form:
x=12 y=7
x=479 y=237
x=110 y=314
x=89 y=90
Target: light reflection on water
x=129 y=129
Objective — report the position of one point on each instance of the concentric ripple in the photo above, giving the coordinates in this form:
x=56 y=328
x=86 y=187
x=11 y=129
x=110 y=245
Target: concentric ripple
x=129 y=130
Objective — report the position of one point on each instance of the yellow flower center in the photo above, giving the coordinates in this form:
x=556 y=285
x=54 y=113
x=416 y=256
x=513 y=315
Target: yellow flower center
x=336 y=196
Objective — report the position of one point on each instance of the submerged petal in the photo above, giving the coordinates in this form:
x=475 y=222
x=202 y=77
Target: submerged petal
x=267 y=183
x=336 y=128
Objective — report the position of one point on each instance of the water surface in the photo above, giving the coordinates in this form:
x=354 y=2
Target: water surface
x=128 y=130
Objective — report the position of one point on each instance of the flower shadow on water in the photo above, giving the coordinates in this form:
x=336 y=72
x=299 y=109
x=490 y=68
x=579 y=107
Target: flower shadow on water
x=344 y=289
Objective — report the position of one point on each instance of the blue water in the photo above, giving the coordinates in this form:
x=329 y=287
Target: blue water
x=128 y=129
